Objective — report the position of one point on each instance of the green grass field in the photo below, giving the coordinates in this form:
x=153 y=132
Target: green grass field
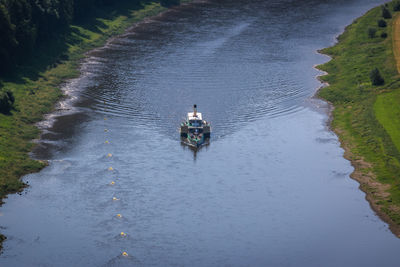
x=367 y=117
x=387 y=111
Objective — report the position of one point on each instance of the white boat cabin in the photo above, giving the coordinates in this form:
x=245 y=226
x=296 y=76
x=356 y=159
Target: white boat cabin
x=195 y=119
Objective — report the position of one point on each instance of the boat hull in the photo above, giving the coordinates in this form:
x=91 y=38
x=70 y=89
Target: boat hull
x=194 y=144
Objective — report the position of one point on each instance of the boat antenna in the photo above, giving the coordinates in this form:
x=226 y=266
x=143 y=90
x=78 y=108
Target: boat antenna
x=194 y=110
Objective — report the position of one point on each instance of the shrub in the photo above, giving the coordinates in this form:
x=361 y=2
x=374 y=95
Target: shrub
x=376 y=78
x=382 y=23
x=169 y=3
x=383 y=35
x=386 y=13
x=396 y=6
x=6 y=101
x=371 y=32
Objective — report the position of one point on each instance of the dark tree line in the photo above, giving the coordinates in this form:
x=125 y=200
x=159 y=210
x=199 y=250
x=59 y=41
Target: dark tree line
x=26 y=23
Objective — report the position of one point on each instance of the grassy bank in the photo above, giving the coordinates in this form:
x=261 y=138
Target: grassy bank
x=366 y=117
x=36 y=85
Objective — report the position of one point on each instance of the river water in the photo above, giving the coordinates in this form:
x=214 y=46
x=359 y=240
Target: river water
x=272 y=188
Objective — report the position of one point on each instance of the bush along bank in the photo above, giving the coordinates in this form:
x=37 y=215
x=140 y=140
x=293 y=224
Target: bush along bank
x=363 y=85
x=31 y=89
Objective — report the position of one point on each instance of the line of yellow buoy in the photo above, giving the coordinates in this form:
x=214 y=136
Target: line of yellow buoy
x=109 y=155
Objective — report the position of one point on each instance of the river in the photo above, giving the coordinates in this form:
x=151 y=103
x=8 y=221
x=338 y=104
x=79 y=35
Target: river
x=271 y=189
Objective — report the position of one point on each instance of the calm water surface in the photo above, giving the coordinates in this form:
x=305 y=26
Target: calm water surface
x=272 y=188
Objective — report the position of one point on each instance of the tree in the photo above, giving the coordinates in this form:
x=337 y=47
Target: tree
x=382 y=23
x=386 y=13
x=376 y=78
x=396 y=6
x=28 y=24
x=25 y=30
x=6 y=101
x=7 y=40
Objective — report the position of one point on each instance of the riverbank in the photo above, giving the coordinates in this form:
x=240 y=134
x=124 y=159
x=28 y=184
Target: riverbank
x=36 y=86
x=366 y=116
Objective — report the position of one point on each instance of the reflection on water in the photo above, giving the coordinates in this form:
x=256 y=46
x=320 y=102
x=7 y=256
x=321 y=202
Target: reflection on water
x=272 y=188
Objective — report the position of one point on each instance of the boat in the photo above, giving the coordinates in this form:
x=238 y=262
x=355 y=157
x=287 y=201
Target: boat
x=194 y=130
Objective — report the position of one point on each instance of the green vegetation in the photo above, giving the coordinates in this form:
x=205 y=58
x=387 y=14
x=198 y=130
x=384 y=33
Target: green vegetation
x=367 y=107
x=396 y=6
x=376 y=78
x=26 y=25
x=6 y=101
x=31 y=88
x=169 y=3
x=387 y=111
x=382 y=23
x=386 y=13
x=371 y=32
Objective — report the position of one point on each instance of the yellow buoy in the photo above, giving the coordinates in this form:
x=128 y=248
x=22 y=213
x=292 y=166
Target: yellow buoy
x=112 y=183
x=106 y=142
x=119 y=215
x=123 y=234
x=109 y=155
x=114 y=198
x=110 y=168
x=124 y=254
